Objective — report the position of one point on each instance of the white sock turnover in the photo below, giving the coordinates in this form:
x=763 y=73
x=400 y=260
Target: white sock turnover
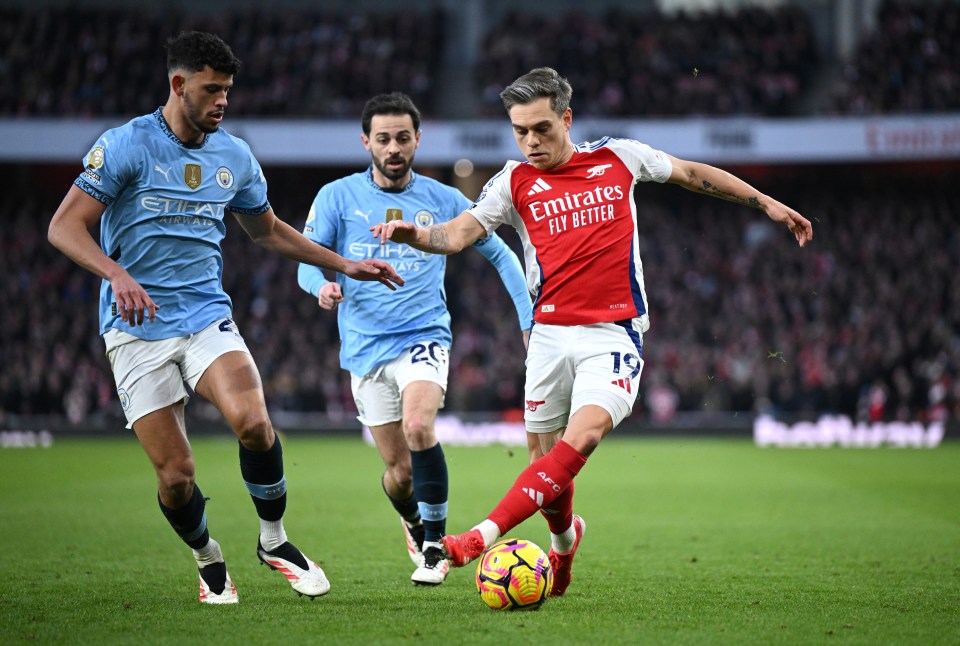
x=272 y=534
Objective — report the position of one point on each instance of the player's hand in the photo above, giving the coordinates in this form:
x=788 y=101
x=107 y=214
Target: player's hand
x=330 y=296
x=799 y=226
x=374 y=270
x=132 y=301
x=396 y=230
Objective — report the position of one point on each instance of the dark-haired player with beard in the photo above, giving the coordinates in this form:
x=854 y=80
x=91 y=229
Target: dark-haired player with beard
x=396 y=345
x=160 y=188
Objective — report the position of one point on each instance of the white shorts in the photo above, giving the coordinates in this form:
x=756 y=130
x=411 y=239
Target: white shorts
x=378 y=395
x=570 y=366
x=150 y=375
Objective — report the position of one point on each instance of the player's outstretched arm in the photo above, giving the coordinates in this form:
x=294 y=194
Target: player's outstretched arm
x=709 y=180
x=446 y=238
x=270 y=232
x=69 y=231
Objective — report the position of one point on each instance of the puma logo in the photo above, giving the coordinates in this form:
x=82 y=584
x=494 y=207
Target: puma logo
x=365 y=216
x=165 y=173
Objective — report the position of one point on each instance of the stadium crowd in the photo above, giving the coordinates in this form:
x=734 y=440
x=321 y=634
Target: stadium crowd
x=866 y=322
x=758 y=60
x=753 y=61
x=70 y=61
x=907 y=65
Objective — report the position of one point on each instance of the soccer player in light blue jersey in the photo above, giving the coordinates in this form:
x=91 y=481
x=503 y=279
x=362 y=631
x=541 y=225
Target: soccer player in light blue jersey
x=160 y=187
x=396 y=345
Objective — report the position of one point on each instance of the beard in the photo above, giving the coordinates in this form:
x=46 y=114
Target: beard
x=393 y=175
x=197 y=118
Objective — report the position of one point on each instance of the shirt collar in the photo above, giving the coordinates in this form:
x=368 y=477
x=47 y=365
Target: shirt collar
x=165 y=128
x=375 y=186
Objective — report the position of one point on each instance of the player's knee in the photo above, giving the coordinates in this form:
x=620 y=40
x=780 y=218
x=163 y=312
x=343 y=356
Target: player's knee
x=402 y=476
x=590 y=441
x=419 y=433
x=255 y=431
x=583 y=440
x=176 y=483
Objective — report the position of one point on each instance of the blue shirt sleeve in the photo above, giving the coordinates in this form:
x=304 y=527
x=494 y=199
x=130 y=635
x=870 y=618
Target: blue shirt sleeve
x=508 y=266
x=251 y=199
x=320 y=228
x=311 y=279
x=107 y=167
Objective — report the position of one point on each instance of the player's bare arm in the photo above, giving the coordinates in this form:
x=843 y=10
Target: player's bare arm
x=446 y=238
x=716 y=182
x=272 y=233
x=69 y=231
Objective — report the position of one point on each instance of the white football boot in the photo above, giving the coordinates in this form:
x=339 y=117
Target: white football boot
x=414 y=537
x=216 y=586
x=304 y=575
x=435 y=566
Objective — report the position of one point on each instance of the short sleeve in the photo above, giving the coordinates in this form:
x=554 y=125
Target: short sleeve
x=494 y=206
x=251 y=198
x=107 y=167
x=647 y=164
x=321 y=224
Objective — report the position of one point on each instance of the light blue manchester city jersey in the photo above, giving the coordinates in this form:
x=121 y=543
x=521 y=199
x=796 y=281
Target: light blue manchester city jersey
x=164 y=220
x=376 y=324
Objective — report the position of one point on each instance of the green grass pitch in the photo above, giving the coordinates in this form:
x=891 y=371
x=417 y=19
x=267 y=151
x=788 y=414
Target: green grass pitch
x=688 y=542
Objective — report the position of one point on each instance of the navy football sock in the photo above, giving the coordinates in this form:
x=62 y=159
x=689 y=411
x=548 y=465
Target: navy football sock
x=430 y=486
x=263 y=474
x=407 y=508
x=189 y=521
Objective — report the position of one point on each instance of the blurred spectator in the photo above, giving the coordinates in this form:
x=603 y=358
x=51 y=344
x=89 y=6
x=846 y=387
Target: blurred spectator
x=753 y=60
x=909 y=64
x=865 y=323
x=103 y=61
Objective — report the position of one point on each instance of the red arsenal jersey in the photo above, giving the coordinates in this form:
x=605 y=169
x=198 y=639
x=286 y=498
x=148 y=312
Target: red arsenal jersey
x=578 y=225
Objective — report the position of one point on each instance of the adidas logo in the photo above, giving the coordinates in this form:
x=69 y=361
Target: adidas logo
x=539 y=186
x=623 y=383
x=535 y=496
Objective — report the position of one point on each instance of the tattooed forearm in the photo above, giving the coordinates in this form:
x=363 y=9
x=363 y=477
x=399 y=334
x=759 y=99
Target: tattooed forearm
x=438 y=238
x=715 y=191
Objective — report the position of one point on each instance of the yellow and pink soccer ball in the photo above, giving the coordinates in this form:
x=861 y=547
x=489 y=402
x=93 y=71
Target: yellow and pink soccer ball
x=514 y=574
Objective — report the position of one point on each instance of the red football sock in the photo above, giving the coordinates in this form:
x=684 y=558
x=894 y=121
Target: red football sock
x=559 y=513
x=538 y=485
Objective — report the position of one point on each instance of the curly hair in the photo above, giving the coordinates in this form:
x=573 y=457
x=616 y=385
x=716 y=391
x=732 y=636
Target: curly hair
x=194 y=50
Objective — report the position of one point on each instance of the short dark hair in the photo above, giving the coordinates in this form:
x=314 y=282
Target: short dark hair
x=194 y=50
x=392 y=103
x=538 y=83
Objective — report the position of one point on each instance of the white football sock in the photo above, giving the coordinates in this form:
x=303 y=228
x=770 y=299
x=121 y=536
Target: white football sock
x=272 y=534
x=489 y=531
x=563 y=543
x=208 y=554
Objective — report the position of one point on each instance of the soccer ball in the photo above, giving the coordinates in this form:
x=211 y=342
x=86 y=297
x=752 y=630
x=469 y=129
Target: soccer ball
x=514 y=574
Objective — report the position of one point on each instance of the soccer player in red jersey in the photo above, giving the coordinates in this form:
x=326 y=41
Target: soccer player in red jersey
x=574 y=209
